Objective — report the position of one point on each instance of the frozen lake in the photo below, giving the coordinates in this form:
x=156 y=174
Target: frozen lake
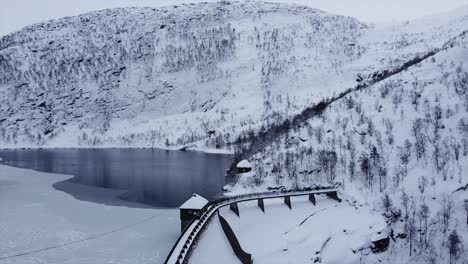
x=151 y=176
x=39 y=224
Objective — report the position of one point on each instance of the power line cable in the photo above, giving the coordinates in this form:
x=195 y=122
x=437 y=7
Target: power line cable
x=84 y=239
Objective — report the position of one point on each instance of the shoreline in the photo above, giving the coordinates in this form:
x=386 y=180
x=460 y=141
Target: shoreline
x=182 y=149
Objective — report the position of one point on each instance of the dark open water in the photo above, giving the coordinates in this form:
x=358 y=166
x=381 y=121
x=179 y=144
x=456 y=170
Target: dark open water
x=155 y=177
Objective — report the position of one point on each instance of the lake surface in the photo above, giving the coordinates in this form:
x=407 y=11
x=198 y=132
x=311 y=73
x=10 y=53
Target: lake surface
x=156 y=177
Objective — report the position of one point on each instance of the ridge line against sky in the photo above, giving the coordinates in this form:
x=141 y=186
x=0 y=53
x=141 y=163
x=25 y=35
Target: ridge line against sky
x=16 y=14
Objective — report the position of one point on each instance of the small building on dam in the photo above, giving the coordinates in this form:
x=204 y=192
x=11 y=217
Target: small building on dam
x=191 y=209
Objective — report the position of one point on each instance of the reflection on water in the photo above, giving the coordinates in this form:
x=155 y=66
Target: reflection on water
x=157 y=177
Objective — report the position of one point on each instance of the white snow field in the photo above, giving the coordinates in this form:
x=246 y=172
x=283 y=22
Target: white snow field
x=35 y=216
x=329 y=231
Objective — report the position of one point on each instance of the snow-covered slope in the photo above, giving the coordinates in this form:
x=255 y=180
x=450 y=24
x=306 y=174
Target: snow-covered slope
x=116 y=74
x=196 y=74
x=399 y=146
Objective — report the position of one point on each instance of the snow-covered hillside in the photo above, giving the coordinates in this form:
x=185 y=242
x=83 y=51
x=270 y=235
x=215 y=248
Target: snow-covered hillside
x=399 y=146
x=195 y=74
x=144 y=75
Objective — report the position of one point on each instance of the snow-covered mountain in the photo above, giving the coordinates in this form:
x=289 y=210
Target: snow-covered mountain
x=131 y=76
x=258 y=77
x=197 y=74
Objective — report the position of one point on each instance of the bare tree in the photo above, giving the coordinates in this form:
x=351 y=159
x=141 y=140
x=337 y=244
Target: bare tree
x=326 y=160
x=375 y=157
x=410 y=228
x=389 y=131
x=461 y=82
x=422 y=183
x=405 y=154
x=290 y=164
x=365 y=165
x=405 y=202
x=382 y=176
x=370 y=127
x=387 y=203
x=351 y=168
x=276 y=170
x=423 y=215
x=466 y=209
x=455 y=246
x=258 y=177
x=152 y=138
x=420 y=140
x=432 y=256
x=352 y=157
x=465 y=146
x=446 y=212
x=456 y=148
x=378 y=166
x=463 y=125
x=400 y=174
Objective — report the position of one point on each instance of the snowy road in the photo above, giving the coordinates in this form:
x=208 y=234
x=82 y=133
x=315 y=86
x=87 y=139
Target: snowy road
x=34 y=216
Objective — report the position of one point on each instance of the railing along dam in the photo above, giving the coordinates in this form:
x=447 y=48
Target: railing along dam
x=181 y=251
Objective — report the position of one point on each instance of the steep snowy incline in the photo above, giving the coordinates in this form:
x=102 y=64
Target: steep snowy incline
x=190 y=75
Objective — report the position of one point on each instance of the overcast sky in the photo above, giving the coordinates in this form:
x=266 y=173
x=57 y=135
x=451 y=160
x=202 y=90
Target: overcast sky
x=16 y=14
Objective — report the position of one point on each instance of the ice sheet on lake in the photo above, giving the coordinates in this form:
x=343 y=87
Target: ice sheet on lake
x=35 y=216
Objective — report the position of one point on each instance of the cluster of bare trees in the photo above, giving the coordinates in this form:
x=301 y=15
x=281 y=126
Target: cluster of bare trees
x=423 y=229
x=199 y=48
x=349 y=143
